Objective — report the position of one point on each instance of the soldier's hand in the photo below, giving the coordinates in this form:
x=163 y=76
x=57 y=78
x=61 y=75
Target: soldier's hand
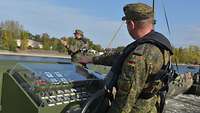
x=114 y=91
x=85 y=60
x=113 y=94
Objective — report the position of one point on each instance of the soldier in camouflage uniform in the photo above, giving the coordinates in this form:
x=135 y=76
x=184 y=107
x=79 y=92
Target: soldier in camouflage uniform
x=141 y=65
x=78 y=46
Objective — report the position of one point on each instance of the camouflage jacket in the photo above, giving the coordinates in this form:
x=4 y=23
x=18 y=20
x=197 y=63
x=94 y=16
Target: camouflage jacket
x=106 y=59
x=77 y=48
x=137 y=70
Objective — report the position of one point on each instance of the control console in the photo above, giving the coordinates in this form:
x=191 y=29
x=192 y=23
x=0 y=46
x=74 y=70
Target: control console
x=55 y=85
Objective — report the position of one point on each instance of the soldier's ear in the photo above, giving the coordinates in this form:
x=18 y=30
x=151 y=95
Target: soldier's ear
x=130 y=24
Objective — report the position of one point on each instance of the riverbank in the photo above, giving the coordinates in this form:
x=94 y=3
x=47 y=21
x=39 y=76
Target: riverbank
x=36 y=54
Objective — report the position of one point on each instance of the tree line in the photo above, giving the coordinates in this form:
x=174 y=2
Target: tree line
x=181 y=55
x=11 y=30
x=187 y=55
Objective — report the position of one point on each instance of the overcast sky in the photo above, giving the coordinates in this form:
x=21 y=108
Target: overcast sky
x=100 y=19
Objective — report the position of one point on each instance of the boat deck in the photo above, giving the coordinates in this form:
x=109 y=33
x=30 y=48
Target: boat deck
x=183 y=104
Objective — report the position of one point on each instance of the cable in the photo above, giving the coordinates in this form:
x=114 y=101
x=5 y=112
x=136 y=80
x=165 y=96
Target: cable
x=169 y=31
x=166 y=19
x=115 y=35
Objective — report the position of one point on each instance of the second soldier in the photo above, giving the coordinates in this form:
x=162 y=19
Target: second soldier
x=78 y=45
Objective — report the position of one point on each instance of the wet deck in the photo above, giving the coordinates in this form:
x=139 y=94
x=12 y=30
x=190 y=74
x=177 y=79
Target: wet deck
x=183 y=104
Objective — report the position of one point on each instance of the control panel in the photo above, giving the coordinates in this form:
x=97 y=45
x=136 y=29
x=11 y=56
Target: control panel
x=56 y=84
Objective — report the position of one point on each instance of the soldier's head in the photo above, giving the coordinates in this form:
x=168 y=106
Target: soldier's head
x=139 y=19
x=78 y=34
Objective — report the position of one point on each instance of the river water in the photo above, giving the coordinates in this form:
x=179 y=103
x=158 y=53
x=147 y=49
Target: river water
x=31 y=58
x=179 y=69
x=185 y=68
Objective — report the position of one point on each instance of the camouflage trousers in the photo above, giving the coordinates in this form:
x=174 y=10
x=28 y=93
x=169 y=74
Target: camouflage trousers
x=141 y=106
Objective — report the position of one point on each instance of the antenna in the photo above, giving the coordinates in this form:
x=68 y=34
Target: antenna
x=154 y=20
x=153 y=7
